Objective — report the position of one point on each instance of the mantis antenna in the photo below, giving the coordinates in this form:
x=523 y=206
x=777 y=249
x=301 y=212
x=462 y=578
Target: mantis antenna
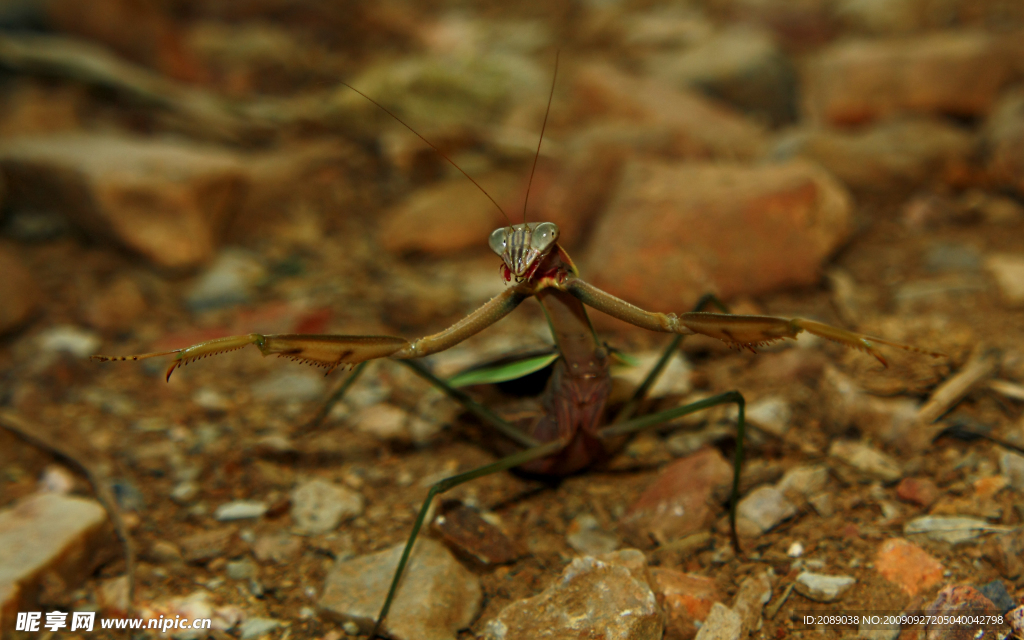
x=542 y=127
x=434 y=147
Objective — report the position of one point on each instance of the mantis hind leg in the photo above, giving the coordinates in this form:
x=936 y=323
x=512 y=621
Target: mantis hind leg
x=628 y=409
x=438 y=488
x=623 y=425
x=471 y=405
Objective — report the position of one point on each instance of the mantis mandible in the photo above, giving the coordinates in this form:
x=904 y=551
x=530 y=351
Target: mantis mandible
x=572 y=434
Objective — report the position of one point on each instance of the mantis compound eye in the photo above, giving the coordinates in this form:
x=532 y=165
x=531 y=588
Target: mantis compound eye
x=499 y=240
x=544 y=235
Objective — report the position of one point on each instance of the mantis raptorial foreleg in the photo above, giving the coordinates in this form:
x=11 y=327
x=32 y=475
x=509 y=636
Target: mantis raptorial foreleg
x=326 y=351
x=745 y=332
x=331 y=351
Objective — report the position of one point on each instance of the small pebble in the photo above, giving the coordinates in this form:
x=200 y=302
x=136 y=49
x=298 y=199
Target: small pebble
x=319 y=506
x=951 y=529
x=466 y=530
x=56 y=479
x=240 y=510
x=959 y=600
x=586 y=536
x=350 y=628
x=805 y=481
x=231 y=279
x=206 y=545
x=280 y=547
x=866 y=459
x=128 y=496
x=997 y=593
x=823 y=588
x=213 y=401
x=795 y=550
x=765 y=507
x=241 y=569
x=258 y=627
x=822 y=503
x=165 y=552
x=722 y=623
x=908 y=565
x=79 y=342
x=686 y=599
x=772 y=414
x=185 y=492
x=920 y=491
x=680 y=500
x=1011 y=465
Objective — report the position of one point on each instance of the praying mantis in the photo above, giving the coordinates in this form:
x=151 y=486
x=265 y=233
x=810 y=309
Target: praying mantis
x=573 y=433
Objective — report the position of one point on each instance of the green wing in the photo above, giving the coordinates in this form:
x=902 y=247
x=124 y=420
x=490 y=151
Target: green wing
x=505 y=369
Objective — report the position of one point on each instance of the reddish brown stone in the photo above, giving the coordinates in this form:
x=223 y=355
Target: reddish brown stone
x=463 y=528
x=681 y=501
x=908 y=565
x=676 y=231
x=957 y=73
x=920 y=491
x=959 y=600
x=450 y=217
x=679 y=123
x=899 y=153
x=685 y=598
x=168 y=201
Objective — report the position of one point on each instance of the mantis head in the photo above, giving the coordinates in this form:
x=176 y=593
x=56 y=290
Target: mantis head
x=523 y=246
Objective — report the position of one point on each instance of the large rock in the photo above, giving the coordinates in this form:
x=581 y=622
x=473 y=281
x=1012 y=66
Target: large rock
x=741 y=66
x=691 y=125
x=169 y=201
x=900 y=153
x=594 y=598
x=957 y=73
x=677 y=231
x=617 y=117
x=449 y=217
x=48 y=542
x=436 y=598
x=680 y=501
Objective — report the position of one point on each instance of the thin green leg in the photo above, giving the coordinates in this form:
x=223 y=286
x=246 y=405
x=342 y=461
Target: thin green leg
x=507 y=429
x=631 y=405
x=318 y=419
x=654 y=419
x=505 y=463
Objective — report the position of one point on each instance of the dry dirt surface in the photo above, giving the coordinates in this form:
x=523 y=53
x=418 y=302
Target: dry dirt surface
x=177 y=171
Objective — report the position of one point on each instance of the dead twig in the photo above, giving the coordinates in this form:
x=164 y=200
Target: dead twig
x=981 y=365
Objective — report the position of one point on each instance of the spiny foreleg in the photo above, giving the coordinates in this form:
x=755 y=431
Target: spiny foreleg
x=326 y=351
x=744 y=332
x=748 y=332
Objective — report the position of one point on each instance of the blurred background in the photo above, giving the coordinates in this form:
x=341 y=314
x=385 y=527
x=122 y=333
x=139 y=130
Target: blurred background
x=173 y=171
